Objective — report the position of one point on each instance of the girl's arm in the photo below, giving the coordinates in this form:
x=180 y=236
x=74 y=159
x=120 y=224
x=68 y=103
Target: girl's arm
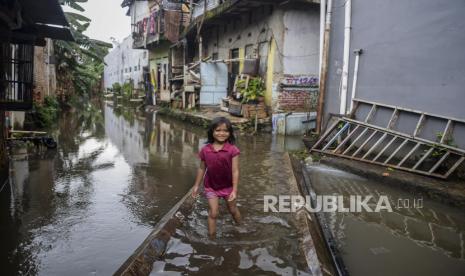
x=235 y=177
x=198 y=178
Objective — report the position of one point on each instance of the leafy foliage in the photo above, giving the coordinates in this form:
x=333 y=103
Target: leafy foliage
x=255 y=89
x=79 y=62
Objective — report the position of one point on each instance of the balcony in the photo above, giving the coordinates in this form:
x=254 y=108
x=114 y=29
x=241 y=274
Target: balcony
x=163 y=23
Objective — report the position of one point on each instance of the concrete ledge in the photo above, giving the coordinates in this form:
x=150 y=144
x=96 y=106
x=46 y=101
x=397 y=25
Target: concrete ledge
x=204 y=117
x=154 y=246
x=451 y=192
x=312 y=239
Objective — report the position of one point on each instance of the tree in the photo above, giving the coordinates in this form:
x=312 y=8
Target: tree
x=80 y=63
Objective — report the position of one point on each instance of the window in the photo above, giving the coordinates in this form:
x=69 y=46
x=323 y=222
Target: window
x=135 y=68
x=139 y=67
x=215 y=56
x=249 y=52
x=130 y=69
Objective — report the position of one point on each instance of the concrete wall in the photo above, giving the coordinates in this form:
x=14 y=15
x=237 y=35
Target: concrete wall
x=158 y=58
x=413 y=55
x=139 y=10
x=44 y=72
x=124 y=63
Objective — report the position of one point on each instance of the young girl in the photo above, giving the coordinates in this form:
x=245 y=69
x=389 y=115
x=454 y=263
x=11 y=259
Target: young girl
x=220 y=165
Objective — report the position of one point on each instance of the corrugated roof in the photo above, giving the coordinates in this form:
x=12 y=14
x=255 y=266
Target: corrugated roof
x=44 y=11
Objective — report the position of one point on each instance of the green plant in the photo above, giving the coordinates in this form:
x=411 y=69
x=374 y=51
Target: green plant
x=116 y=87
x=127 y=90
x=439 y=151
x=44 y=115
x=255 y=89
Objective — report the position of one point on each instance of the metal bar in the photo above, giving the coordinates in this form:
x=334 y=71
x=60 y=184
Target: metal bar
x=403 y=135
x=396 y=151
x=371 y=113
x=325 y=134
x=384 y=149
x=375 y=145
x=410 y=110
x=439 y=162
x=409 y=154
x=393 y=120
x=446 y=132
x=423 y=158
x=386 y=165
x=354 y=110
x=346 y=139
x=356 y=140
x=421 y=120
x=452 y=169
x=336 y=136
x=364 y=143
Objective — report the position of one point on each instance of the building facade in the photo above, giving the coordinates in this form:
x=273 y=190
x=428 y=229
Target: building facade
x=124 y=64
x=410 y=56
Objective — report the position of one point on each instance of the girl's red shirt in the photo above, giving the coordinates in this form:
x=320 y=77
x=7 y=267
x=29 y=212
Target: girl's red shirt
x=219 y=165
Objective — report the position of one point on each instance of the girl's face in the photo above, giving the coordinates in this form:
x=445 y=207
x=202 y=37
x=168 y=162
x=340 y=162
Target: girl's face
x=221 y=133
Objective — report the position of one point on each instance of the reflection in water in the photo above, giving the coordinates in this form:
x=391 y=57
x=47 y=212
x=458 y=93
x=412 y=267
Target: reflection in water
x=84 y=208
x=264 y=243
x=420 y=241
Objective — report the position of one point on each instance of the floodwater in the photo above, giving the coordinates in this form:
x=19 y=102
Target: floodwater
x=84 y=208
x=419 y=236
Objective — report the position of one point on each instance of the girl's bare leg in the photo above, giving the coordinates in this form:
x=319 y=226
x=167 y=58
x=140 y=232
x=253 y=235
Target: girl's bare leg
x=212 y=215
x=232 y=207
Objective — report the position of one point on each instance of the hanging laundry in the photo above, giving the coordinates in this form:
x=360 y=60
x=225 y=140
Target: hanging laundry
x=152 y=24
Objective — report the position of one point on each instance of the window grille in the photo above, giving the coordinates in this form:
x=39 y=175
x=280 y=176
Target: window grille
x=16 y=76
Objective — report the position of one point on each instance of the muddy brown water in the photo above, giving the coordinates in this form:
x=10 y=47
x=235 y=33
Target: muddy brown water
x=84 y=208
x=420 y=236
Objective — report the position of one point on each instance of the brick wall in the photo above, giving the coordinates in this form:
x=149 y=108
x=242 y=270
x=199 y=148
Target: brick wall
x=40 y=78
x=297 y=100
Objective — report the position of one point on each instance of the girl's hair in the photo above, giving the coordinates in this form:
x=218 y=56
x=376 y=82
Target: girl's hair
x=217 y=122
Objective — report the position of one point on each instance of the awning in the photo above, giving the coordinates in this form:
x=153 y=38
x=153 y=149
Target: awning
x=44 y=11
x=48 y=20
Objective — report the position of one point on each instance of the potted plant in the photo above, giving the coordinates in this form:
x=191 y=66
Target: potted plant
x=254 y=91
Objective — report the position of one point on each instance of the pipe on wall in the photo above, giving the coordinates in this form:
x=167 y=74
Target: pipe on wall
x=322 y=32
x=357 y=53
x=346 y=56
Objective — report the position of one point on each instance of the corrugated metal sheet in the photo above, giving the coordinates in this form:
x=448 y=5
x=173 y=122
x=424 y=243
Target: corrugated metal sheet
x=214 y=78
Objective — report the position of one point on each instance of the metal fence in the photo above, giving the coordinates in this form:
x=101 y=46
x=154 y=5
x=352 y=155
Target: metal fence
x=16 y=76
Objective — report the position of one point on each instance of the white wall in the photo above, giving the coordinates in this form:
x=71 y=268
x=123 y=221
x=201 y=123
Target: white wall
x=124 y=63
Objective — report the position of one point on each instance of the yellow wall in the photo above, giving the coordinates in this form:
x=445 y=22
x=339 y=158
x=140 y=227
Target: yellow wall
x=241 y=56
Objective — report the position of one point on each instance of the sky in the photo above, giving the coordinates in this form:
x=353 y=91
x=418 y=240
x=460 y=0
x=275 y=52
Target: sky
x=108 y=19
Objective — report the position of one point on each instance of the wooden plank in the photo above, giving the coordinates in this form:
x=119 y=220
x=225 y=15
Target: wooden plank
x=336 y=136
x=385 y=148
x=375 y=145
x=409 y=154
x=396 y=151
x=364 y=143
x=423 y=158
x=455 y=166
x=346 y=139
x=355 y=141
x=419 y=126
x=371 y=113
x=439 y=162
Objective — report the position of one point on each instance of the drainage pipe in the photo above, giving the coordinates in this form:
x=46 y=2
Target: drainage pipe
x=357 y=53
x=346 y=56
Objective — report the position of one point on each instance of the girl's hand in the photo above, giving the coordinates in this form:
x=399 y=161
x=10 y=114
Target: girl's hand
x=232 y=196
x=195 y=191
